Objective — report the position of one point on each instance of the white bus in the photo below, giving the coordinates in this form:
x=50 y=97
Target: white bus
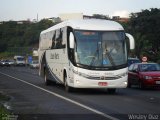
x=19 y=60
x=85 y=54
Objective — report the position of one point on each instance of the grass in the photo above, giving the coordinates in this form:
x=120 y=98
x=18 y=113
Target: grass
x=3 y=110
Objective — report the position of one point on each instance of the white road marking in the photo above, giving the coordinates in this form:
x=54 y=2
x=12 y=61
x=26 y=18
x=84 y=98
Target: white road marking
x=64 y=98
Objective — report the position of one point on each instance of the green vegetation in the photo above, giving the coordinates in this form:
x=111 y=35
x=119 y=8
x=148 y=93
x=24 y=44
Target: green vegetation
x=3 y=111
x=15 y=35
x=144 y=26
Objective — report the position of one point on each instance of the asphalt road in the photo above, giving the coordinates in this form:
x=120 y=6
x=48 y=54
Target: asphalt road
x=31 y=99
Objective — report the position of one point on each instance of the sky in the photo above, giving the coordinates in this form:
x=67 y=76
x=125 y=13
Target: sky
x=29 y=9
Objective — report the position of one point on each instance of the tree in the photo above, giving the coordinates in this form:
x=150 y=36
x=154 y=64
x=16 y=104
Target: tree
x=145 y=28
x=27 y=34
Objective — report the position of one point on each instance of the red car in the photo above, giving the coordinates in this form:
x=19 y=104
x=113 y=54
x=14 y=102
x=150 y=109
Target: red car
x=144 y=75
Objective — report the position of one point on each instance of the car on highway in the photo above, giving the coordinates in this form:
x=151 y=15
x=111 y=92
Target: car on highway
x=144 y=75
x=1 y=63
x=7 y=62
x=133 y=60
x=34 y=64
x=10 y=62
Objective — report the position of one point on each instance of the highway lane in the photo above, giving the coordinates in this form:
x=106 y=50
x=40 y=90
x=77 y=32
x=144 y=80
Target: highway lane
x=28 y=99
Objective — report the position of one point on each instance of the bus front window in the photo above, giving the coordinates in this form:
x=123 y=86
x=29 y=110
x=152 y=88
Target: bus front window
x=20 y=59
x=100 y=49
x=114 y=48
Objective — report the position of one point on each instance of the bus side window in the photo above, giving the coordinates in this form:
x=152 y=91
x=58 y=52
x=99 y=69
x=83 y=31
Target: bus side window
x=53 y=40
x=64 y=30
x=58 y=39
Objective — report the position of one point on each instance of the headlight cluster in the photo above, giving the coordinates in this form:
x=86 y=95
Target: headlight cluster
x=147 y=77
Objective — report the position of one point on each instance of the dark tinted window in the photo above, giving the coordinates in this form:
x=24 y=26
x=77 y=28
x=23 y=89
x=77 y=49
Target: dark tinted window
x=131 y=67
x=149 y=67
x=131 y=61
x=57 y=39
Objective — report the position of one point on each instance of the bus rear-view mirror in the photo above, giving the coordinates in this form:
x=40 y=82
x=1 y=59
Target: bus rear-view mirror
x=131 y=41
x=71 y=40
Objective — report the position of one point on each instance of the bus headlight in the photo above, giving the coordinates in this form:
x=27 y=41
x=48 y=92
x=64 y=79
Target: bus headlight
x=125 y=83
x=77 y=81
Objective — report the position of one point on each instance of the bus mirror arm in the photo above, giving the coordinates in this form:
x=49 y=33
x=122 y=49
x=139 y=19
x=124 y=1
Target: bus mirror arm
x=131 y=41
x=71 y=41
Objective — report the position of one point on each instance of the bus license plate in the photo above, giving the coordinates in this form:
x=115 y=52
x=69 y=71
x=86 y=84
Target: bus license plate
x=157 y=82
x=102 y=83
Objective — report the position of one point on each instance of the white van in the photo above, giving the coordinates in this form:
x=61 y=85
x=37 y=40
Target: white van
x=19 y=60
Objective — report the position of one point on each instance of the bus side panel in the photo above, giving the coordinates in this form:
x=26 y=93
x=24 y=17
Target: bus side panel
x=56 y=61
x=52 y=56
x=41 y=57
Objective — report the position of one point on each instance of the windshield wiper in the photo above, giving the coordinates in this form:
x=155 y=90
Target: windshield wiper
x=96 y=53
x=93 y=59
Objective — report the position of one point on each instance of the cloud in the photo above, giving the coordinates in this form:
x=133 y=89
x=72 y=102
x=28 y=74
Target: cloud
x=122 y=13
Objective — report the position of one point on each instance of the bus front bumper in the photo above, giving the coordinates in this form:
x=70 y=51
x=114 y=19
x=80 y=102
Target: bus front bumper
x=82 y=82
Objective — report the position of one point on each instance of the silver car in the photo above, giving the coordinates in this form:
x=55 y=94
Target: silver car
x=34 y=64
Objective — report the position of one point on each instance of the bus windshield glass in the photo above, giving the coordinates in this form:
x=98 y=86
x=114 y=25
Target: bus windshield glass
x=100 y=48
x=20 y=59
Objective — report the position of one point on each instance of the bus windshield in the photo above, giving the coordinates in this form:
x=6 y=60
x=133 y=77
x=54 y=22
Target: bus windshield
x=20 y=59
x=100 y=48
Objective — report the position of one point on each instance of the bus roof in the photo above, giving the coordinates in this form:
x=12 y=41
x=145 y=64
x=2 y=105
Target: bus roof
x=88 y=24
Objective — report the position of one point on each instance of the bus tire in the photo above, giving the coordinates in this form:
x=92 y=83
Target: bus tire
x=46 y=80
x=67 y=88
x=111 y=90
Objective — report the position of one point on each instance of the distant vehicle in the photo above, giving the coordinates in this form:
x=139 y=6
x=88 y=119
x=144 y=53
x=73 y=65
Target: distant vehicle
x=144 y=75
x=133 y=60
x=19 y=60
x=3 y=63
x=34 y=64
x=85 y=54
x=7 y=63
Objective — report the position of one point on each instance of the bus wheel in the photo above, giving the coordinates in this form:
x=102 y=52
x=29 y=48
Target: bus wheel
x=67 y=88
x=111 y=90
x=46 y=80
